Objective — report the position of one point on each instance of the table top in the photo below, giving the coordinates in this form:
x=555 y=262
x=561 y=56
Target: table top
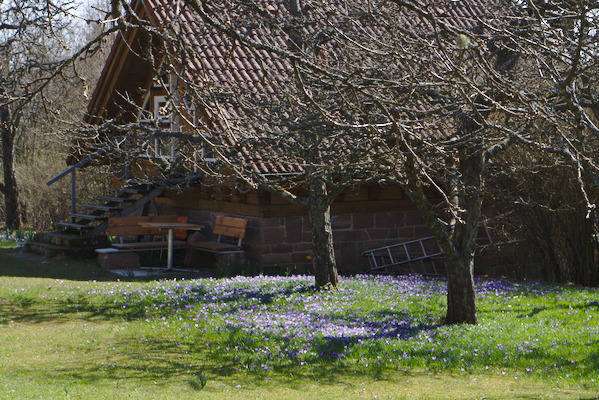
x=171 y=225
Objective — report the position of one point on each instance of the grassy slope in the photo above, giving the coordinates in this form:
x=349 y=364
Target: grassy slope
x=54 y=345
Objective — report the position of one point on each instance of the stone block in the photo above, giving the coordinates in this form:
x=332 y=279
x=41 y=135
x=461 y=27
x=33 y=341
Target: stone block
x=302 y=247
x=389 y=220
x=413 y=218
x=281 y=248
x=406 y=234
x=301 y=258
x=422 y=232
x=270 y=222
x=120 y=260
x=341 y=221
x=346 y=255
x=277 y=259
x=345 y=236
x=363 y=221
x=273 y=235
x=378 y=233
x=294 y=231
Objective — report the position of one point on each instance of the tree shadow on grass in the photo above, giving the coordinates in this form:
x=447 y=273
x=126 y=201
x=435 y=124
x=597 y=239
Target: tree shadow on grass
x=149 y=361
x=159 y=358
x=73 y=269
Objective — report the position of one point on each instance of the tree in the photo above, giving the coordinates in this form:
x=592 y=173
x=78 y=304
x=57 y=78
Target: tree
x=36 y=48
x=352 y=91
x=25 y=61
x=350 y=77
x=438 y=88
x=560 y=39
x=269 y=131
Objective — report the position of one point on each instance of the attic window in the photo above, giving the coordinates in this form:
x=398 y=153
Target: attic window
x=161 y=82
x=156 y=110
x=207 y=152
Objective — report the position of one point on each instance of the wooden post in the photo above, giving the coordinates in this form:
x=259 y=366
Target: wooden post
x=170 y=238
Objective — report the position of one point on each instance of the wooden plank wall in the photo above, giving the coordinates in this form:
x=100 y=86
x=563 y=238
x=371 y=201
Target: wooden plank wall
x=261 y=203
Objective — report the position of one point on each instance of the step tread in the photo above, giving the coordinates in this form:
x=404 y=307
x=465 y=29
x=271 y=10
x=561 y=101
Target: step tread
x=89 y=216
x=74 y=225
x=115 y=199
x=102 y=207
x=48 y=245
x=135 y=190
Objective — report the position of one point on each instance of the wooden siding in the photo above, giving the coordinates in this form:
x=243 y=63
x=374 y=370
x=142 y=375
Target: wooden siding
x=260 y=203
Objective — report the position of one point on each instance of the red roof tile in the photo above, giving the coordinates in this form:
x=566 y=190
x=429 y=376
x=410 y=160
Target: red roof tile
x=212 y=57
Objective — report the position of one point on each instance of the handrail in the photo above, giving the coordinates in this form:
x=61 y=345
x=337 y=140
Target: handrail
x=80 y=164
x=72 y=170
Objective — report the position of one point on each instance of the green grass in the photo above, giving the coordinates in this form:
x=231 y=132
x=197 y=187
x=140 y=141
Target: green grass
x=70 y=332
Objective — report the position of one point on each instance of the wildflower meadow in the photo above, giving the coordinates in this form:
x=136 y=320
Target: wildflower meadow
x=374 y=322
x=265 y=328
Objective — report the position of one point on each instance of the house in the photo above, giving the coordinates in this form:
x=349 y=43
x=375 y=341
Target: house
x=136 y=88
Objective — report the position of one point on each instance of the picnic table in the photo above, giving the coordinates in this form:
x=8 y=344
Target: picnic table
x=171 y=227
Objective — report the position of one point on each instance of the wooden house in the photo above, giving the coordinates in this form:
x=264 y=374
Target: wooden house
x=132 y=88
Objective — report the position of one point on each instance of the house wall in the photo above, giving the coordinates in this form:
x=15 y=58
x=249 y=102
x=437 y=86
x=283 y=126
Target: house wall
x=279 y=235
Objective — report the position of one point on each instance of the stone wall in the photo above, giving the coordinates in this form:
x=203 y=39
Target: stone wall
x=285 y=242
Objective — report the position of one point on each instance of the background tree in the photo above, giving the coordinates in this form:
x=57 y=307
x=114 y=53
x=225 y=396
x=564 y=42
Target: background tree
x=559 y=42
x=28 y=37
x=43 y=88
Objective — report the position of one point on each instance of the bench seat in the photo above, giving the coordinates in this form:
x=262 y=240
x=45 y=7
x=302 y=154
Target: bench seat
x=216 y=247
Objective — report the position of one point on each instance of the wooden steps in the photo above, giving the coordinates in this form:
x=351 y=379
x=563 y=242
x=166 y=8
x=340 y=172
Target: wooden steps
x=73 y=225
x=89 y=216
x=84 y=232
x=112 y=199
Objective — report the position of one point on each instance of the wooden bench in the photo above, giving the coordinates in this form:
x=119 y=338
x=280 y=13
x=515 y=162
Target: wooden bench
x=130 y=226
x=229 y=232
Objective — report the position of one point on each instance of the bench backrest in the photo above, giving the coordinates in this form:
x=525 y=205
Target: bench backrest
x=230 y=227
x=129 y=226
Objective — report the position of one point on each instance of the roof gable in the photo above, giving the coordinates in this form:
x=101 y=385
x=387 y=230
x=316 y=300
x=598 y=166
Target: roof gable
x=229 y=72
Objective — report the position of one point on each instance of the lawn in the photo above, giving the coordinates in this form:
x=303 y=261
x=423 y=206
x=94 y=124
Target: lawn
x=271 y=337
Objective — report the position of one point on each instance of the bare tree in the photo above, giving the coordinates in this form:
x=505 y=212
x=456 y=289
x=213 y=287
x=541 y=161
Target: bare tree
x=346 y=92
x=37 y=49
x=447 y=87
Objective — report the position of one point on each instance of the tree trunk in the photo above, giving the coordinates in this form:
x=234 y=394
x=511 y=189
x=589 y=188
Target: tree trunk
x=324 y=263
x=458 y=243
x=9 y=187
x=461 y=296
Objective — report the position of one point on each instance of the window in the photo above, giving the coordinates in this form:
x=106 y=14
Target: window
x=207 y=152
x=156 y=111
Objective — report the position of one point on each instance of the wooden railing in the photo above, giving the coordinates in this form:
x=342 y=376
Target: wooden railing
x=73 y=172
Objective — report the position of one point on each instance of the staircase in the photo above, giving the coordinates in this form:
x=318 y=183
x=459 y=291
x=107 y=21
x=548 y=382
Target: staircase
x=83 y=234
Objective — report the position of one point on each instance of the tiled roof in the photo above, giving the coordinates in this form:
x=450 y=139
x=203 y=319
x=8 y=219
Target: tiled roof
x=210 y=59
